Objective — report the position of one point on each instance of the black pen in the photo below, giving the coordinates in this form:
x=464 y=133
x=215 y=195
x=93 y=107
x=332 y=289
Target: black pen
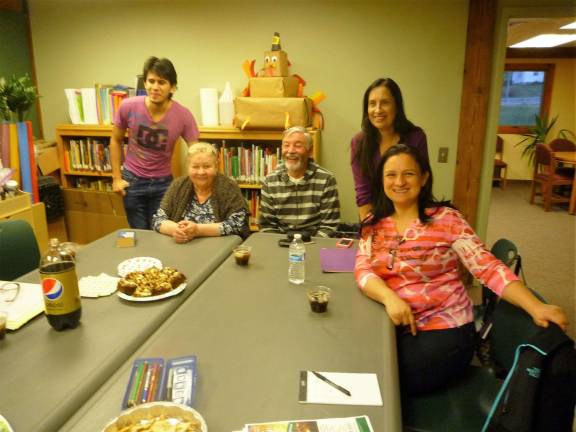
x=332 y=383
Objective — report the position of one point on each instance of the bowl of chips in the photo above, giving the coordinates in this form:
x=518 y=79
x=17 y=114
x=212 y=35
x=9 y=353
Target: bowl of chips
x=158 y=416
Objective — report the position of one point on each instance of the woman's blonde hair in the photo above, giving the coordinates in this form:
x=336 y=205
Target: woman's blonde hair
x=202 y=147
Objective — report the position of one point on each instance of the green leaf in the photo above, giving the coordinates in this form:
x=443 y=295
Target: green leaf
x=18 y=94
x=539 y=134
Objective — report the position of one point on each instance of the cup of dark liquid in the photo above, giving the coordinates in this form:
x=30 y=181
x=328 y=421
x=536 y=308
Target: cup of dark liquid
x=318 y=297
x=242 y=254
x=3 y=323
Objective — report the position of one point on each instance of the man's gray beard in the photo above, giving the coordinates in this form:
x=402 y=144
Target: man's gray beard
x=292 y=166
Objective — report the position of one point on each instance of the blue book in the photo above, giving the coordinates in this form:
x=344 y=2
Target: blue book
x=23 y=149
x=156 y=379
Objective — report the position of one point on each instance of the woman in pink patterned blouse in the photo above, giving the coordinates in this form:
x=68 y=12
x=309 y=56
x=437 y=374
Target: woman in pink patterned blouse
x=408 y=261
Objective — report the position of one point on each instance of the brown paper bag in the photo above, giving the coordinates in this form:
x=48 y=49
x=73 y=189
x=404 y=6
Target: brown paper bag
x=272 y=113
x=274 y=87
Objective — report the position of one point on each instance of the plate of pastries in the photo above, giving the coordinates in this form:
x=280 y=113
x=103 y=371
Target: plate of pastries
x=151 y=284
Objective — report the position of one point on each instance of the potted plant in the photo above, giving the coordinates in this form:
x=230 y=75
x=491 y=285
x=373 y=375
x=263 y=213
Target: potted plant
x=4 y=110
x=18 y=95
x=538 y=134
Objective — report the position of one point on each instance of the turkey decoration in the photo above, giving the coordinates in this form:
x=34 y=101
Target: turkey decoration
x=274 y=99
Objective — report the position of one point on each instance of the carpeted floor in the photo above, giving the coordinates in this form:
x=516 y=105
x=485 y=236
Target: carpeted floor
x=546 y=241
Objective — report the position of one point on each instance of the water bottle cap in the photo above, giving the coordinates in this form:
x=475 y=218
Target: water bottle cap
x=297 y=236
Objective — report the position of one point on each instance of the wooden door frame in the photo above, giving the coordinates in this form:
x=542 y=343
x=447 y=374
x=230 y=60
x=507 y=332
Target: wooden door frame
x=474 y=107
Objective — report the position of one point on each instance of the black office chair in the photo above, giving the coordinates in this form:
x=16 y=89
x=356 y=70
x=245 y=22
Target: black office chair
x=19 y=251
x=507 y=252
x=465 y=404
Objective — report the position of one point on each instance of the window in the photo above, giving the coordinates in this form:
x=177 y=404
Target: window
x=526 y=91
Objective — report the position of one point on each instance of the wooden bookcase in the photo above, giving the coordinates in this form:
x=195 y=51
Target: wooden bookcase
x=265 y=140
x=89 y=214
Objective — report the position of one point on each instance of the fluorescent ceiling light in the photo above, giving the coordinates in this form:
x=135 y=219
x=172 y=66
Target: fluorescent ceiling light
x=546 y=41
x=569 y=26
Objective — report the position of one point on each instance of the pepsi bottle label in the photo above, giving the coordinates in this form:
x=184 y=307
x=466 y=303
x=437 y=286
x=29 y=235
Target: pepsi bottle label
x=61 y=295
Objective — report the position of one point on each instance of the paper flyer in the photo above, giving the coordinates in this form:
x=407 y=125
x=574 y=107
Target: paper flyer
x=348 y=424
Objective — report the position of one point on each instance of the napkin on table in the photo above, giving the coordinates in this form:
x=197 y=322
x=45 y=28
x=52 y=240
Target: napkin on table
x=97 y=286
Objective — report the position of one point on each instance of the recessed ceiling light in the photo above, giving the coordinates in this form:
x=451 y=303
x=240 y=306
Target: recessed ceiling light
x=546 y=41
x=569 y=26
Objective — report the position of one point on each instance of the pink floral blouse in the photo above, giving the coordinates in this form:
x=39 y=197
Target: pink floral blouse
x=421 y=266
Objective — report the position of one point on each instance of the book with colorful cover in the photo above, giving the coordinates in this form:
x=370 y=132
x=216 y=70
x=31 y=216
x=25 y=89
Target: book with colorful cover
x=14 y=162
x=32 y=159
x=24 y=149
x=349 y=424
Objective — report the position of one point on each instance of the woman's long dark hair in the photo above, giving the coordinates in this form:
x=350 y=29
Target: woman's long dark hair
x=383 y=206
x=371 y=141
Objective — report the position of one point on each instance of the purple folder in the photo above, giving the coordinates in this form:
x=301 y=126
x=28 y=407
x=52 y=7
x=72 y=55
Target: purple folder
x=336 y=260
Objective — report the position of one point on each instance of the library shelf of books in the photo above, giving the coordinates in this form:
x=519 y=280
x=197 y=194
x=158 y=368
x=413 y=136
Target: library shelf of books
x=86 y=173
x=86 y=179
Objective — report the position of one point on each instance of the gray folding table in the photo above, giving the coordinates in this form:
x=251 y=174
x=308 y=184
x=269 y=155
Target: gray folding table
x=47 y=375
x=252 y=332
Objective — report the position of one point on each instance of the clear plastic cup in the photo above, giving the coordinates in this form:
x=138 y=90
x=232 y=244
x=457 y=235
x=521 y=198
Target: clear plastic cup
x=242 y=254
x=319 y=297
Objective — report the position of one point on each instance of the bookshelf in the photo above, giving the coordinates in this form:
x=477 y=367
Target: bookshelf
x=92 y=210
x=248 y=156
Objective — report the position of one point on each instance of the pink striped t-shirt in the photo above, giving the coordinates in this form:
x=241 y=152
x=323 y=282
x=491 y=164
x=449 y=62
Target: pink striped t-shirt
x=150 y=143
x=421 y=266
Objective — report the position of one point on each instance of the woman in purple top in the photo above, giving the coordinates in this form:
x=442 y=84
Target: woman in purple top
x=384 y=124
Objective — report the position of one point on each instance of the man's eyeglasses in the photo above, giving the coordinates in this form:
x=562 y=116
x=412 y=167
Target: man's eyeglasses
x=9 y=291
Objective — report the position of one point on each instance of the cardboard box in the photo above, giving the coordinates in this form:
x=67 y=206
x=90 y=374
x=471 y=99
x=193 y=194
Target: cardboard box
x=47 y=160
x=90 y=215
x=57 y=229
x=125 y=238
x=272 y=113
x=14 y=205
x=275 y=64
x=107 y=203
x=274 y=86
x=85 y=227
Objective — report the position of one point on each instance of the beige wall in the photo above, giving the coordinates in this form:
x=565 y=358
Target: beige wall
x=562 y=104
x=339 y=47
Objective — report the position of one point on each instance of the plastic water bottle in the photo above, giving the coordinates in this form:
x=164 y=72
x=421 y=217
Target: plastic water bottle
x=297 y=260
